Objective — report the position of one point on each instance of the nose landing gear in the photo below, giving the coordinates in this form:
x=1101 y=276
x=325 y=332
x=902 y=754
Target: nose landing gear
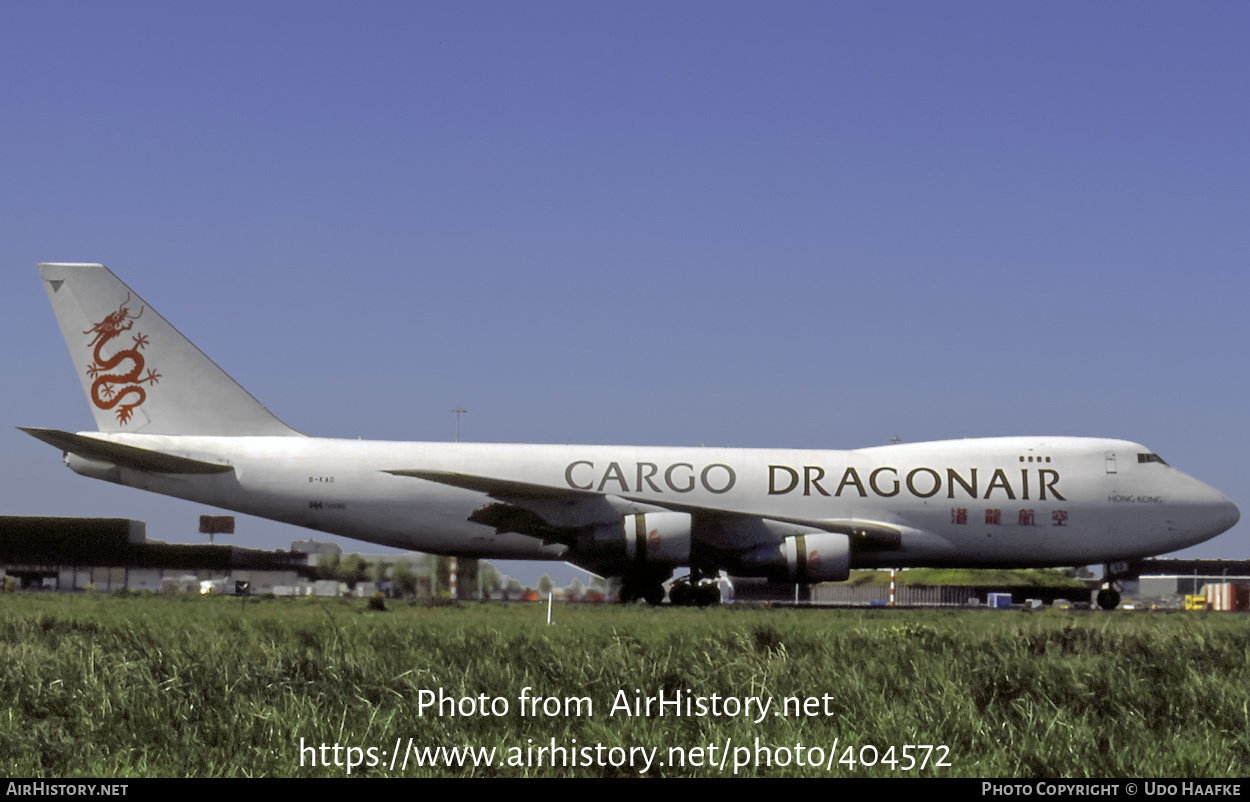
x=1112 y=574
x=1109 y=597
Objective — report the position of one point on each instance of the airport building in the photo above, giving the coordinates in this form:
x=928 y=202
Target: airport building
x=1168 y=582
x=112 y=554
x=107 y=554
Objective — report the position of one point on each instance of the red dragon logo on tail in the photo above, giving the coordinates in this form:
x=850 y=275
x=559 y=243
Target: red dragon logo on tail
x=109 y=389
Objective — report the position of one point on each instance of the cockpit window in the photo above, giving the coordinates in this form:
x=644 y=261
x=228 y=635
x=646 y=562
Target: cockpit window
x=1150 y=458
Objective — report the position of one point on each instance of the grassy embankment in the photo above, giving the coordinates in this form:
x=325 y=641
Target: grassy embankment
x=185 y=686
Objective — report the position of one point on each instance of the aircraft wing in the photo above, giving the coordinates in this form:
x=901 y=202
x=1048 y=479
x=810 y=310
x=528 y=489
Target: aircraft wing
x=500 y=488
x=554 y=513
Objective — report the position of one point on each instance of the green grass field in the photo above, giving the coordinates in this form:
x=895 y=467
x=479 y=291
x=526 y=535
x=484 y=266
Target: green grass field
x=205 y=687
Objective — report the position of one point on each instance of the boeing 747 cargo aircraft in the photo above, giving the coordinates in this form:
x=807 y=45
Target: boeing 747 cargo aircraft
x=172 y=422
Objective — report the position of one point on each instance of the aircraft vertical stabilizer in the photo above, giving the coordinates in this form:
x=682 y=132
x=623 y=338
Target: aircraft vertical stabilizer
x=139 y=373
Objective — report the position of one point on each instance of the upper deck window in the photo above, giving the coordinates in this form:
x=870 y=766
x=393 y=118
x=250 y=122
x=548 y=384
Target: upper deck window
x=1150 y=458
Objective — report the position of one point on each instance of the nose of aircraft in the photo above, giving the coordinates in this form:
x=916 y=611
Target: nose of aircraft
x=1214 y=514
x=1225 y=516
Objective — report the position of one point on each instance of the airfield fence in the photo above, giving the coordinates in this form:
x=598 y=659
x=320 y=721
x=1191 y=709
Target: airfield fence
x=904 y=595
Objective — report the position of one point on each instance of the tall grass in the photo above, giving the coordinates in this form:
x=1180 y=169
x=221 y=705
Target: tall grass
x=206 y=687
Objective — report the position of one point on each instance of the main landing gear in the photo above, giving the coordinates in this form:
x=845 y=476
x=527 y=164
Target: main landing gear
x=694 y=591
x=687 y=591
x=636 y=587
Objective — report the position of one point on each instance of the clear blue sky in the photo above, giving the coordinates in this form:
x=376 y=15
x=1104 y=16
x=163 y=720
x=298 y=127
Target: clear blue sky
x=752 y=224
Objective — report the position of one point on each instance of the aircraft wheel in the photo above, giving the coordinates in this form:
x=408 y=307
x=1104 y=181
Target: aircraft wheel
x=1108 y=598
x=654 y=593
x=708 y=595
x=681 y=594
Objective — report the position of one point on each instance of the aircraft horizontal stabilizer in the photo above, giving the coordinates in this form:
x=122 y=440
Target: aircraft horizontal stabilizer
x=140 y=459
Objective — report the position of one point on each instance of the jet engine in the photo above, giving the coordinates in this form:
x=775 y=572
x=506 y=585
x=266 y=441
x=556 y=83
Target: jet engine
x=818 y=557
x=809 y=557
x=654 y=538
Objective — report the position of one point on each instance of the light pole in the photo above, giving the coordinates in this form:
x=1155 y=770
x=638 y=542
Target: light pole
x=458 y=411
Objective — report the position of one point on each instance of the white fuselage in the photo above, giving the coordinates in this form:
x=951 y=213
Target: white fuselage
x=1026 y=501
